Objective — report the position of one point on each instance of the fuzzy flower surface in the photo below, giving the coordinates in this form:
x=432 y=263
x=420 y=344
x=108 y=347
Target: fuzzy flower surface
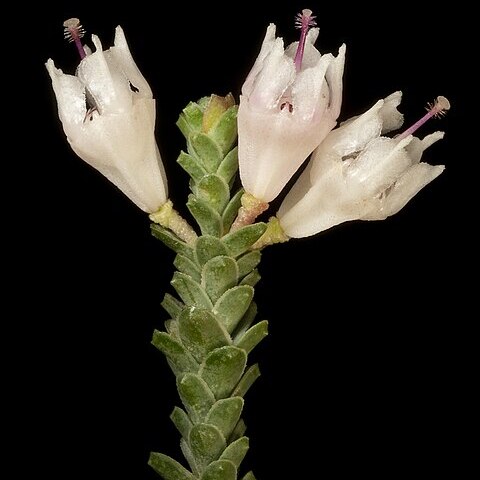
x=108 y=115
x=359 y=174
x=290 y=101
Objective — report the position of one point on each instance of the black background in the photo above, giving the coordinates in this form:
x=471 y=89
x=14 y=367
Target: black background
x=364 y=369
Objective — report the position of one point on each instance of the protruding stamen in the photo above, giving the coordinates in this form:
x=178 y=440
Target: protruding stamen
x=303 y=21
x=438 y=109
x=73 y=33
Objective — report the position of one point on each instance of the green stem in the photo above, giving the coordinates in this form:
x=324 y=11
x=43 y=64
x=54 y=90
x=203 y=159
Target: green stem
x=211 y=329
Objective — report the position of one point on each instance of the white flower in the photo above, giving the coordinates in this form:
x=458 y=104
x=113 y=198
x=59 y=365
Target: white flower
x=116 y=134
x=357 y=174
x=288 y=105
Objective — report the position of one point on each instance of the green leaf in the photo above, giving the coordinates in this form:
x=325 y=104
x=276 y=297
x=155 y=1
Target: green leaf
x=253 y=336
x=207 y=443
x=251 y=279
x=180 y=359
x=213 y=190
x=241 y=240
x=229 y=166
x=203 y=102
x=192 y=166
x=214 y=110
x=206 y=150
x=184 y=127
x=246 y=320
x=247 y=381
x=249 y=476
x=180 y=419
x=187 y=453
x=232 y=305
x=208 y=247
x=246 y=263
x=190 y=291
x=168 y=468
x=222 y=370
x=218 y=275
x=225 y=414
x=196 y=396
x=171 y=326
x=173 y=306
x=186 y=266
x=171 y=240
x=220 y=470
x=201 y=332
x=238 y=431
x=225 y=131
x=191 y=119
x=208 y=219
x=231 y=210
x=236 y=451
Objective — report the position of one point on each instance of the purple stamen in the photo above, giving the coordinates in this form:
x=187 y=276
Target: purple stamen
x=73 y=33
x=304 y=21
x=440 y=106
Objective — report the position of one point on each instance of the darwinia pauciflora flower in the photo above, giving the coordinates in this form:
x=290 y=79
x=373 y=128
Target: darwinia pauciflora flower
x=357 y=173
x=290 y=101
x=108 y=114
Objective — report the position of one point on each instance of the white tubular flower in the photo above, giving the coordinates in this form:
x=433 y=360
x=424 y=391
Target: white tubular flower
x=357 y=174
x=290 y=101
x=108 y=115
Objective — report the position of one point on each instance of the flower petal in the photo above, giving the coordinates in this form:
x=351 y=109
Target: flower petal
x=104 y=81
x=390 y=117
x=379 y=165
x=410 y=183
x=123 y=58
x=321 y=207
x=70 y=95
x=334 y=78
x=310 y=91
x=267 y=45
x=351 y=137
x=416 y=147
x=272 y=81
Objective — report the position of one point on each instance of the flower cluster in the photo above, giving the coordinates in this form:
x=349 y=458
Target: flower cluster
x=288 y=111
